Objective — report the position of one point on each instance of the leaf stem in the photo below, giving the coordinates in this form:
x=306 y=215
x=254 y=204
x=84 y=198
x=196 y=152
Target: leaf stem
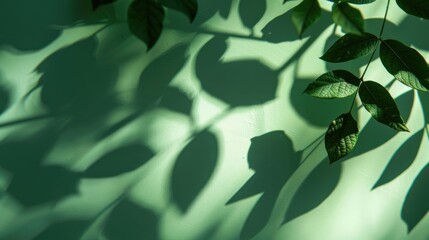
x=373 y=53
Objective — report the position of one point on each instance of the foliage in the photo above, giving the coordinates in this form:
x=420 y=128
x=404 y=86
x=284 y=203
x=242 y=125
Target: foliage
x=72 y=94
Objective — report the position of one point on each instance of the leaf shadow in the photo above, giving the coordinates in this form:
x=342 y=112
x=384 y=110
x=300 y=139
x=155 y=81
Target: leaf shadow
x=416 y=203
x=64 y=230
x=251 y=11
x=119 y=161
x=26 y=26
x=73 y=84
x=281 y=29
x=238 y=83
x=130 y=221
x=274 y=160
x=315 y=189
x=401 y=160
x=193 y=169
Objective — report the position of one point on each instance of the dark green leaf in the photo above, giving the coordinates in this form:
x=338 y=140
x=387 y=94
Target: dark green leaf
x=348 y=18
x=129 y=221
x=405 y=63
x=251 y=11
x=187 y=7
x=416 y=204
x=341 y=137
x=378 y=102
x=305 y=14
x=145 y=20
x=193 y=169
x=418 y=8
x=121 y=160
x=351 y=46
x=97 y=3
x=335 y=84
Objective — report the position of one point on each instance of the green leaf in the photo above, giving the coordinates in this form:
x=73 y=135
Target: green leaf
x=378 y=102
x=187 y=7
x=405 y=63
x=418 y=8
x=118 y=161
x=145 y=20
x=349 y=18
x=341 y=137
x=98 y=3
x=335 y=84
x=305 y=14
x=351 y=46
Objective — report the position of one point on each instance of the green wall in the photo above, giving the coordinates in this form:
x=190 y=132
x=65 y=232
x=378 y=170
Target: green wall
x=206 y=136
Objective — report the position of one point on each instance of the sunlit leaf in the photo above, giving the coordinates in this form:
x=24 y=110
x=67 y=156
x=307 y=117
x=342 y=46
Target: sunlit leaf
x=145 y=20
x=341 y=137
x=418 y=8
x=348 y=18
x=98 y=3
x=351 y=46
x=335 y=84
x=193 y=169
x=416 y=204
x=118 y=161
x=129 y=221
x=305 y=14
x=405 y=63
x=378 y=102
x=187 y=7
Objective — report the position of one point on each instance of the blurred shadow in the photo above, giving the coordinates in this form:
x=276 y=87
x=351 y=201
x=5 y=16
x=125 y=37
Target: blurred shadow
x=26 y=26
x=73 y=83
x=238 y=83
x=416 y=203
x=4 y=98
x=176 y=100
x=130 y=221
x=193 y=169
x=156 y=77
x=64 y=230
x=281 y=28
x=274 y=160
x=121 y=160
x=402 y=159
x=318 y=185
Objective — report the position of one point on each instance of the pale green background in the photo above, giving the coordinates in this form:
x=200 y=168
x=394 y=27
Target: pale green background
x=339 y=196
